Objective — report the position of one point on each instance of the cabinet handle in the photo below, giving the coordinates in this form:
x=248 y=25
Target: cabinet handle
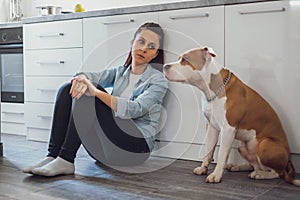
x=17 y=113
x=119 y=22
x=199 y=15
x=51 y=63
x=262 y=11
x=44 y=116
x=46 y=90
x=51 y=35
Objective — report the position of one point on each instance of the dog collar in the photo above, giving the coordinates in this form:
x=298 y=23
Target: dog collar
x=220 y=88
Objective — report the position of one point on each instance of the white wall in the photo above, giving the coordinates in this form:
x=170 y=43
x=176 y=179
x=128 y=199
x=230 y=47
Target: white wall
x=4 y=10
x=29 y=6
x=100 y=4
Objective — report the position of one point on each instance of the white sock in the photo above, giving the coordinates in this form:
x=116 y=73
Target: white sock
x=58 y=166
x=40 y=164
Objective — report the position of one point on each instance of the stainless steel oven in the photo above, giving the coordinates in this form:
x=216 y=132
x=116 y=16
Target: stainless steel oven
x=11 y=65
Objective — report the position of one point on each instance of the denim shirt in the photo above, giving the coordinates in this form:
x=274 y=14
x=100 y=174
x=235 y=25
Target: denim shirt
x=144 y=106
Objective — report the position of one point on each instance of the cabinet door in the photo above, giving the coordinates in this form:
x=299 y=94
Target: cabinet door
x=186 y=29
x=192 y=28
x=107 y=39
x=262 y=46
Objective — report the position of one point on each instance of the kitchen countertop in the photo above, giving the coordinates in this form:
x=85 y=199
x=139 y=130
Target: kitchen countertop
x=10 y=24
x=136 y=9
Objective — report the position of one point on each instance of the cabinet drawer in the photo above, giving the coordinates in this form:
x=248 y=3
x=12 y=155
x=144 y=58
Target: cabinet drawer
x=12 y=112
x=59 y=34
x=60 y=62
x=38 y=115
x=43 y=89
x=38 y=134
x=13 y=128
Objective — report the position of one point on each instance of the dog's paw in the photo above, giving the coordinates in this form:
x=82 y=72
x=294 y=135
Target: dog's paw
x=200 y=170
x=269 y=174
x=232 y=167
x=255 y=175
x=239 y=168
x=213 y=178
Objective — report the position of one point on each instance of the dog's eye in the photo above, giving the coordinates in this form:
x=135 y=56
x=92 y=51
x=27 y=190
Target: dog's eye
x=185 y=59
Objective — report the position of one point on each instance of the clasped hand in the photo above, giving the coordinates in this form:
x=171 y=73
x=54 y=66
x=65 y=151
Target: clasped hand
x=80 y=86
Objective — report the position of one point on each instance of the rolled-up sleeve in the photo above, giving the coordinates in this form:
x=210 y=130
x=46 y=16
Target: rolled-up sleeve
x=104 y=78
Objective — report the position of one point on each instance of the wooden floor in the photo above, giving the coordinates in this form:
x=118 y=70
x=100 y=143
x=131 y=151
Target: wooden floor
x=93 y=181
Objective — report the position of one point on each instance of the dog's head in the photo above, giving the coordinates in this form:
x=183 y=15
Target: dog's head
x=188 y=63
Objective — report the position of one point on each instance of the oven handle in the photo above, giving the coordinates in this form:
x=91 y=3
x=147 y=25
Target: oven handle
x=11 y=46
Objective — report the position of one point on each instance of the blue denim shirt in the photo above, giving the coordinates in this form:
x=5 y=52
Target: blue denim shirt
x=144 y=106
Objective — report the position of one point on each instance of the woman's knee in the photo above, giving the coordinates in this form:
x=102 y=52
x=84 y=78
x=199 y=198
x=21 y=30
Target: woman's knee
x=63 y=91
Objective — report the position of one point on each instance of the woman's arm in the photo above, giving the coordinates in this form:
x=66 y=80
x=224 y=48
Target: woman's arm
x=81 y=85
x=142 y=104
x=108 y=99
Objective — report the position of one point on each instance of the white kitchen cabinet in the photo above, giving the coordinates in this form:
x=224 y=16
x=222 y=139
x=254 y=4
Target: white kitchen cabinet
x=192 y=28
x=262 y=43
x=107 y=39
x=53 y=62
x=183 y=131
x=12 y=118
x=43 y=89
x=53 y=54
x=49 y=35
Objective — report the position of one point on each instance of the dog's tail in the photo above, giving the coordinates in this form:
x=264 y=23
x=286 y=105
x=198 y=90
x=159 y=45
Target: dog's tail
x=289 y=174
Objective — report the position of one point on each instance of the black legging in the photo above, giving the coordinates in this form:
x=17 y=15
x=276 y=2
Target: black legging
x=88 y=121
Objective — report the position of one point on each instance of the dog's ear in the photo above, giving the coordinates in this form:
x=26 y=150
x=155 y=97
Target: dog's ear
x=210 y=51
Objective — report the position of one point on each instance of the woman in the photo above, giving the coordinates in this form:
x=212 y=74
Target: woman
x=116 y=129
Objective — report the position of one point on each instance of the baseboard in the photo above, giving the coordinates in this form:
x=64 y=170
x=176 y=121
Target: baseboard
x=1 y=149
x=178 y=150
x=296 y=161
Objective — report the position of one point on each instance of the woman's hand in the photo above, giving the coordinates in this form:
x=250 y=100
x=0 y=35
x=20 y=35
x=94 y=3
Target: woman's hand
x=79 y=86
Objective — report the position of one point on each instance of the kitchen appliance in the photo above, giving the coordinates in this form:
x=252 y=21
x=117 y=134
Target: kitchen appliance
x=11 y=65
x=15 y=11
x=49 y=10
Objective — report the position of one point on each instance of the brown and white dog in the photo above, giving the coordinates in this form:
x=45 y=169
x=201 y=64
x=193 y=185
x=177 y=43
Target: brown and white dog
x=235 y=111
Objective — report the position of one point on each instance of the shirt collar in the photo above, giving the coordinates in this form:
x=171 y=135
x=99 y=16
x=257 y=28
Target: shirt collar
x=144 y=76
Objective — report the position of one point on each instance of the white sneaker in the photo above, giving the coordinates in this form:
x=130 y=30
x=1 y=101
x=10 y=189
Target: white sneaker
x=58 y=166
x=40 y=164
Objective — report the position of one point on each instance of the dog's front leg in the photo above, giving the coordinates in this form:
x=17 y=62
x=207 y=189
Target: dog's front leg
x=210 y=141
x=227 y=138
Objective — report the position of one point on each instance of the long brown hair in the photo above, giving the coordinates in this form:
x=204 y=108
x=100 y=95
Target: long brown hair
x=158 y=61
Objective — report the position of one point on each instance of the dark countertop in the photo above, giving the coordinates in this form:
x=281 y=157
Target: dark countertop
x=137 y=9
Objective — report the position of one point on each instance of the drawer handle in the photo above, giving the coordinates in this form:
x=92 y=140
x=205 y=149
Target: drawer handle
x=46 y=90
x=261 y=11
x=44 y=116
x=51 y=63
x=17 y=113
x=119 y=22
x=51 y=35
x=177 y=17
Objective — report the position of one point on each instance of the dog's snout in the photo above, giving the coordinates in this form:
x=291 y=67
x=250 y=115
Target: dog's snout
x=166 y=67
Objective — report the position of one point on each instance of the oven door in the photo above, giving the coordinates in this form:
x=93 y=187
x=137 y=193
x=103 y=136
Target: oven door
x=12 y=75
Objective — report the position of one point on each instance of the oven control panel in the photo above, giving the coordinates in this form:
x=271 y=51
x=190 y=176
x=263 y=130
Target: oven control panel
x=11 y=35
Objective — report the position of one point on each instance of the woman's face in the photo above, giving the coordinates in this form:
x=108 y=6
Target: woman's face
x=144 y=47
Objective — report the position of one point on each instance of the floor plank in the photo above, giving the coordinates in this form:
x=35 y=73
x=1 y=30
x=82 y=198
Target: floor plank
x=157 y=179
